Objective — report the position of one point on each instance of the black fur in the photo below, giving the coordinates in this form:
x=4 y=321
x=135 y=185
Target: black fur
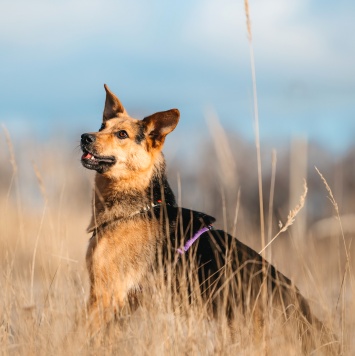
x=140 y=135
x=231 y=275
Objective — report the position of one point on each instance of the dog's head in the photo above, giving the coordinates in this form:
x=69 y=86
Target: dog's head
x=124 y=146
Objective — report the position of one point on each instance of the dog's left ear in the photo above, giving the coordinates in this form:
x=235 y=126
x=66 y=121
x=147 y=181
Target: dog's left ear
x=160 y=124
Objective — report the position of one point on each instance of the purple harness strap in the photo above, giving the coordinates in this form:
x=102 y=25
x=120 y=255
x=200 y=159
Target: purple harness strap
x=190 y=242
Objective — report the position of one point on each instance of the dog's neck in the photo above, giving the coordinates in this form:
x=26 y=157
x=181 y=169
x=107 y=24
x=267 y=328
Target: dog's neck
x=115 y=199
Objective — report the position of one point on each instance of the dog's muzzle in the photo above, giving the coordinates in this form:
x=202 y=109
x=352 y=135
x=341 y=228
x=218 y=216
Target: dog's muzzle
x=90 y=159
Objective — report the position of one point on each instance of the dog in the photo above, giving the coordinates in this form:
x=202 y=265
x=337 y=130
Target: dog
x=136 y=221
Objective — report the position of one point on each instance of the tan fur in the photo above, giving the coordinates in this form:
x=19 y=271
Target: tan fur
x=119 y=256
x=125 y=240
x=116 y=267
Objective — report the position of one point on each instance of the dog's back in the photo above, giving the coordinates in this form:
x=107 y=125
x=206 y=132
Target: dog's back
x=231 y=277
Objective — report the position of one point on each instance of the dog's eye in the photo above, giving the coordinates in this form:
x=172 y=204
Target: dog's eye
x=102 y=127
x=122 y=134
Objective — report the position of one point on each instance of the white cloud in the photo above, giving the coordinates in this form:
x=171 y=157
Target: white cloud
x=214 y=25
x=59 y=23
x=283 y=29
x=274 y=25
x=288 y=39
x=285 y=34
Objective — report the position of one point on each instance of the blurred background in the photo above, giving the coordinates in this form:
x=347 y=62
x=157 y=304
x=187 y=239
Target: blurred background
x=192 y=55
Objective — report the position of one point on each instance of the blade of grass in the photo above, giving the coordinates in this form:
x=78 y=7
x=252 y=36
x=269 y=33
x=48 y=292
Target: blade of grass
x=256 y=122
x=271 y=199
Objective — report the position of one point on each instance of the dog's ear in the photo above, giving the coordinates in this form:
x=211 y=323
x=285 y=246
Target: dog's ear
x=160 y=124
x=113 y=106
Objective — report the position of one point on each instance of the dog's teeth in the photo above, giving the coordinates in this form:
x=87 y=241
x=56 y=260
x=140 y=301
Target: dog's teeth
x=92 y=158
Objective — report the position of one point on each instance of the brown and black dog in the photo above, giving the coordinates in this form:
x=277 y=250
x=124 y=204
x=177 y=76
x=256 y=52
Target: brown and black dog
x=135 y=216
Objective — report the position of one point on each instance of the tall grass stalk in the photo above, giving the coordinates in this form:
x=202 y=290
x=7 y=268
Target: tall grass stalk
x=271 y=200
x=14 y=181
x=236 y=214
x=256 y=122
x=336 y=208
x=347 y=269
x=44 y=195
x=224 y=153
x=260 y=179
x=35 y=254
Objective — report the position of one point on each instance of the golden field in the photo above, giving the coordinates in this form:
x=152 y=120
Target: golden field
x=45 y=208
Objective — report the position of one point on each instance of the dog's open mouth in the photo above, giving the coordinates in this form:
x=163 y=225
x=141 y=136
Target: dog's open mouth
x=99 y=163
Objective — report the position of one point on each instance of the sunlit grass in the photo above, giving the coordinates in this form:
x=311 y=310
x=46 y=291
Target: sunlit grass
x=44 y=284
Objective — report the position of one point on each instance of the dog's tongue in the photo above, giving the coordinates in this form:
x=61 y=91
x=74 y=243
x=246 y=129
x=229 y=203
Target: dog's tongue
x=86 y=155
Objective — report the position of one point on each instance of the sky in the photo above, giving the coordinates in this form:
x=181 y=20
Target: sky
x=193 y=55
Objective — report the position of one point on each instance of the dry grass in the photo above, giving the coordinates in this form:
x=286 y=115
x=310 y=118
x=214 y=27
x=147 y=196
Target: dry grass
x=44 y=210
x=256 y=123
x=347 y=269
x=290 y=218
x=44 y=283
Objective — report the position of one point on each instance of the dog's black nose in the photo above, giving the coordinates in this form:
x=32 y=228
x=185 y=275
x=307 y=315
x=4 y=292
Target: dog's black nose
x=87 y=138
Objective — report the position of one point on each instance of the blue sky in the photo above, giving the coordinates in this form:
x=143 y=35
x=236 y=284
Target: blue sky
x=55 y=57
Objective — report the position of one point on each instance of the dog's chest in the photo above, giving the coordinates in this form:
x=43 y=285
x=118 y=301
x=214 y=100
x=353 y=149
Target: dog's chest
x=124 y=252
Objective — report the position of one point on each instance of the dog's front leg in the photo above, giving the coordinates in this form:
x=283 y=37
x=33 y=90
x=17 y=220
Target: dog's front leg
x=103 y=306
x=107 y=295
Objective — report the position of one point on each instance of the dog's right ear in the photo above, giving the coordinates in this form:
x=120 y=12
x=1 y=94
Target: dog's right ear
x=113 y=106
